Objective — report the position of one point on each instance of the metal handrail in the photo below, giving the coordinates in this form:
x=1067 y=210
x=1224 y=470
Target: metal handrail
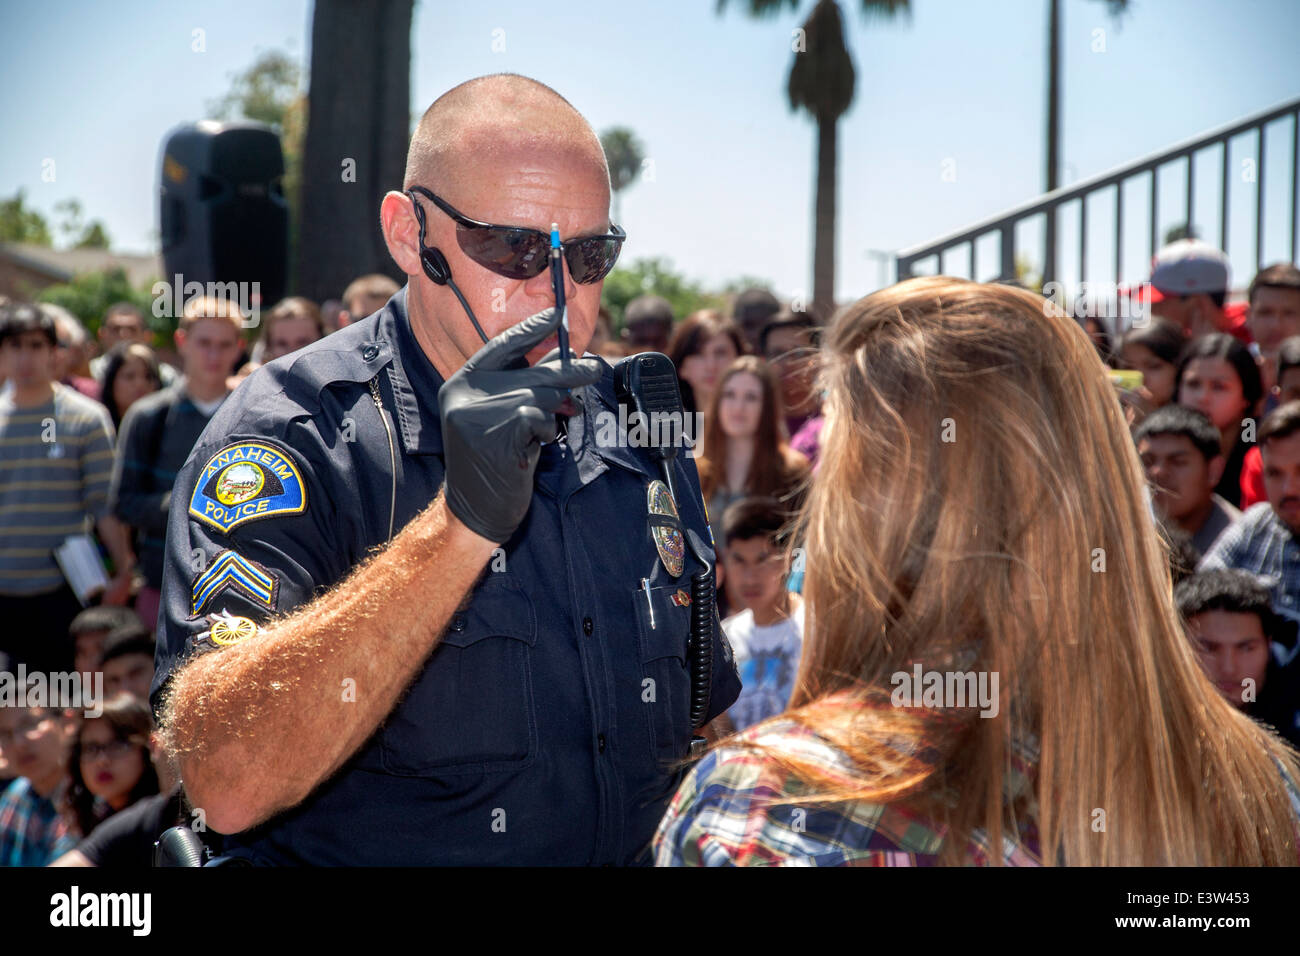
x=1047 y=205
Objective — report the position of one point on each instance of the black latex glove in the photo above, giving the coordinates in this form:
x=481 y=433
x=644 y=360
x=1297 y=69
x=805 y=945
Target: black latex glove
x=495 y=417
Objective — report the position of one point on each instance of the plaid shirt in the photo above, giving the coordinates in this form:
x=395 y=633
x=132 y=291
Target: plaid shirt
x=725 y=814
x=32 y=831
x=1259 y=542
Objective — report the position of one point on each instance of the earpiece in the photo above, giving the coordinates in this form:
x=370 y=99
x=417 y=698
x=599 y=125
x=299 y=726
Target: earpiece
x=434 y=262
x=436 y=268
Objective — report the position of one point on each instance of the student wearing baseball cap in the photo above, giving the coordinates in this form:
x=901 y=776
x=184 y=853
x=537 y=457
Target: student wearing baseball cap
x=1189 y=286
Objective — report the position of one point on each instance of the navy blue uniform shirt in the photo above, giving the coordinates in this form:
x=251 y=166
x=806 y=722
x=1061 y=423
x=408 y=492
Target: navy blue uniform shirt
x=546 y=725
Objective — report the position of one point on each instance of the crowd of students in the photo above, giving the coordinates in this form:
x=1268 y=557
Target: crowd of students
x=1217 y=427
x=980 y=518
x=94 y=443
x=937 y=478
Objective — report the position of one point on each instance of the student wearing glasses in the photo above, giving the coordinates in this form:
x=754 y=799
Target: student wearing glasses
x=413 y=614
x=110 y=765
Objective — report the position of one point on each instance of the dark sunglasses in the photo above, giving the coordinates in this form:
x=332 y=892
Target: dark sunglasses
x=520 y=253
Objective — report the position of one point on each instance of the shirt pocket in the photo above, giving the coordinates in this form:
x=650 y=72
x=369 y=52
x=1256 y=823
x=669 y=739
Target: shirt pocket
x=664 y=625
x=471 y=708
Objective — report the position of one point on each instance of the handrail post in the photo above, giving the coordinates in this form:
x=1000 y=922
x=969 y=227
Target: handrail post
x=1007 y=236
x=1049 y=242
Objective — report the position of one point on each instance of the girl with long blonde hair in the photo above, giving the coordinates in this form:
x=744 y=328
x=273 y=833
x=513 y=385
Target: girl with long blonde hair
x=980 y=511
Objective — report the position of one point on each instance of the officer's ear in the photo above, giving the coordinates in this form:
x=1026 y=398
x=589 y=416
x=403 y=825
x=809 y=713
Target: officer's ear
x=401 y=232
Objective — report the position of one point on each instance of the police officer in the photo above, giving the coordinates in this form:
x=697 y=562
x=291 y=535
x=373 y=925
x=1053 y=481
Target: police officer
x=411 y=616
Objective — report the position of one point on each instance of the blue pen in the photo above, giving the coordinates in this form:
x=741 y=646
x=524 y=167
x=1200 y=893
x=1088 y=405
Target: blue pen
x=557 y=283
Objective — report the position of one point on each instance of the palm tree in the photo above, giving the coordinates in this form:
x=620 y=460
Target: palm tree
x=1117 y=8
x=624 y=153
x=358 y=126
x=822 y=82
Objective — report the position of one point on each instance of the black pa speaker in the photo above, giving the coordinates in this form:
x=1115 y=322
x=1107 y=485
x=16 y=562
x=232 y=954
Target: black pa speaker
x=223 y=216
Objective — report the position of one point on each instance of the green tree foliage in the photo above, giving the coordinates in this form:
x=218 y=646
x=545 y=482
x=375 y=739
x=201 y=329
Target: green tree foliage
x=268 y=92
x=18 y=223
x=735 y=286
x=89 y=294
x=94 y=237
x=70 y=219
x=76 y=232
x=624 y=153
x=263 y=93
x=655 y=277
x=1028 y=274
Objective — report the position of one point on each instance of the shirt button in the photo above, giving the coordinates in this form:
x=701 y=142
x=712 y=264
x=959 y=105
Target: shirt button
x=600 y=743
x=458 y=622
x=587 y=626
x=369 y=352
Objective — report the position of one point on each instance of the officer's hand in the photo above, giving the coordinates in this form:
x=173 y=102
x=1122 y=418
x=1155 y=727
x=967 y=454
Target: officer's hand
x=495 y=418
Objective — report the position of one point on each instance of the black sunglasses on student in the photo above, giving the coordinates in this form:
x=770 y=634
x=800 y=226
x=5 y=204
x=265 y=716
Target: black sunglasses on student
x=520 y=253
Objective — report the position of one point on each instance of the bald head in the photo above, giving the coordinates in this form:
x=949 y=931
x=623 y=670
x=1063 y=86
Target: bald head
x=501 y=149
x=497 y=117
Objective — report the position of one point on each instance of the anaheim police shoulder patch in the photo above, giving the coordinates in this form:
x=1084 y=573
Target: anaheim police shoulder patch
x=246 y=481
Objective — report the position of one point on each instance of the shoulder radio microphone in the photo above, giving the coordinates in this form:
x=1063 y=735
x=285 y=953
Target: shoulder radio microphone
x=647 y=382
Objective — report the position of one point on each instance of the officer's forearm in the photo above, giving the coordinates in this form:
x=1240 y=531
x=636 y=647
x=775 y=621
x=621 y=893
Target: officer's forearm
x=258 y=725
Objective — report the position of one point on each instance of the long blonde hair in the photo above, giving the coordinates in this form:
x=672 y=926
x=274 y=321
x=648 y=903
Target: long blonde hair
x=979 y=499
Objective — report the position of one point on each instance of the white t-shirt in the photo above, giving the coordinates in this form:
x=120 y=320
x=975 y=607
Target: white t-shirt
x=207 y=408
x=768 y=661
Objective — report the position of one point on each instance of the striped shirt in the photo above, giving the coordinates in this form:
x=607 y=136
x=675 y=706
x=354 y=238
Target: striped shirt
x=1260 y=543
x=738 y=808
x=56 y=460
x=158 y=434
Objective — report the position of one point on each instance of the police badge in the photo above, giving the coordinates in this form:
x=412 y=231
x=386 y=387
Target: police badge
x=665 y=528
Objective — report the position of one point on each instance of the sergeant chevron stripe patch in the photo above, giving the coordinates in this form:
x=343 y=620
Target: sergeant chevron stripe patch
x=231 y=571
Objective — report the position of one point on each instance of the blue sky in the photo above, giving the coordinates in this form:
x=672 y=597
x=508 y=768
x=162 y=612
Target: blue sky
x=96 y=86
